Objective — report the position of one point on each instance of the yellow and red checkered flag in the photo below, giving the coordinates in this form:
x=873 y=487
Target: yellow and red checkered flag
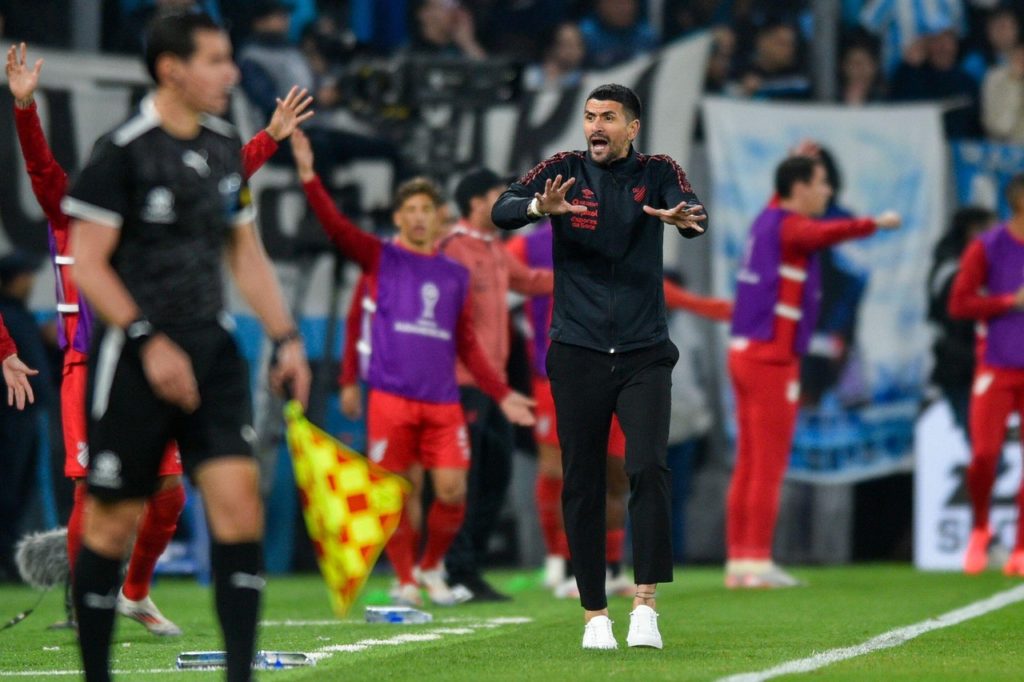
x=351 y=506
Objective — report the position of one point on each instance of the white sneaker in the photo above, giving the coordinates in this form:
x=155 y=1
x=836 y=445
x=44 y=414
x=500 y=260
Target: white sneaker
x=597 y=634
x=568 y=589
x=407 y=594
x=146 y=612
x=618 y=586
x=554 y=571
x=437 y=588
x=643 y=628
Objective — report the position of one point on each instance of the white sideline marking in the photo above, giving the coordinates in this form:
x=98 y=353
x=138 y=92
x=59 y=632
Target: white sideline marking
x=324 y=652
x=886 y=640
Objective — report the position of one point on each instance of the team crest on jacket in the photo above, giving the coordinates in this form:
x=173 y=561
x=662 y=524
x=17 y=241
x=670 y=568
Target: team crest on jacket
x=588 y=193
x=639 y=193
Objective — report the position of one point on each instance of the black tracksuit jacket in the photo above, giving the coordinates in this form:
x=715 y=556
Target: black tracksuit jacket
x=609 y=293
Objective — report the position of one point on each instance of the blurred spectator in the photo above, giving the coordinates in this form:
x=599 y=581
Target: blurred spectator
x=444 y=28
x=680 y=17
x=136 y=15
x=615 y=32
x=563 y=61
x=19 y=429
x=774 y=70
x=40 y=23
x=953 y=349
x=860 y=74
x=381 y=24
x=929 y=71
x=1002 y=99
x=723 y=50
x=1002 y=35
x=270 y=65
x=901 y=23
x=518 y=30
x=238 y=17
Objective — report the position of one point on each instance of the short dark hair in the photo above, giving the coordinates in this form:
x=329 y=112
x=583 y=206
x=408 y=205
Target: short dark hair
x=793 y=170
x=174 y=33
x=418 y=185
x=1015 y=193
x=476 y=183
x=614 y=92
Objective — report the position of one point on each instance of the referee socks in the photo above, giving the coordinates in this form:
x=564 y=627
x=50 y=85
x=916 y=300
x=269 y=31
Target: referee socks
x=94 y=587
x=238 y=586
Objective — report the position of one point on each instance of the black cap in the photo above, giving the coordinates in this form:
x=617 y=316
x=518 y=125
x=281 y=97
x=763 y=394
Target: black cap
x=16 y=263
x=476 y=183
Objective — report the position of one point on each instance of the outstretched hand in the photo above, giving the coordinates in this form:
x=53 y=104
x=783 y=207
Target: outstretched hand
x=20 y=79
x=16 y=374
x=290 y=113
x=552 y=200
x=518 y=409
x=683 y=216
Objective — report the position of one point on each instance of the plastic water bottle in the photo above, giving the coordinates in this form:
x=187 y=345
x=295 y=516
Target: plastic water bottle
x=396 y=614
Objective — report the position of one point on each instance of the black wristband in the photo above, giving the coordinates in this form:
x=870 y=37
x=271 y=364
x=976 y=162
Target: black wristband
x=138 y=332
x=287 y=337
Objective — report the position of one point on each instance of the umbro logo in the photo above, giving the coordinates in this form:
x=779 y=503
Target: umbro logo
x=639 y=193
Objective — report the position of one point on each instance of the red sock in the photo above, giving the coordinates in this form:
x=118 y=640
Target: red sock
x=159 y=520
x=75 y=525
x=443 y=524
x=981 y=477
x=613 y=542
x=401 y=550
x=549 y=513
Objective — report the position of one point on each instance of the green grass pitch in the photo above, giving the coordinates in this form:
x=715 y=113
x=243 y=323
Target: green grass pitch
x=709 y=632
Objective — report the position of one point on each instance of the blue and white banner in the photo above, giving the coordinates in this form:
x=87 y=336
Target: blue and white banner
x=982 y=169
x=889 y=158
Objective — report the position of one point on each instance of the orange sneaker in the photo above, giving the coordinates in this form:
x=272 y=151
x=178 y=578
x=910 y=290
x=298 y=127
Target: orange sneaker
x=976 y=558
x=1014 y=566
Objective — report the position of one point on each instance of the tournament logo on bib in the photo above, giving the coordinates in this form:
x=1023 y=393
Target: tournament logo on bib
x=430 y=295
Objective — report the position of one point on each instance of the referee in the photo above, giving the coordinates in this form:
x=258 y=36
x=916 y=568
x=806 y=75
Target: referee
x=610 y=351
x=158 y=208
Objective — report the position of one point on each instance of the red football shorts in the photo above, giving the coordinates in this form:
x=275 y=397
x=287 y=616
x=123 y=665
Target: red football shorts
x=75 y=422
x=404 y=432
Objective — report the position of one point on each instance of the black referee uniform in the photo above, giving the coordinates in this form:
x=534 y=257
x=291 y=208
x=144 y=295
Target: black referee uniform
x=610 y=351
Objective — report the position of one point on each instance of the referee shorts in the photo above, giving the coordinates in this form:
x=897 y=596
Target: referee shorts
x=129 y=426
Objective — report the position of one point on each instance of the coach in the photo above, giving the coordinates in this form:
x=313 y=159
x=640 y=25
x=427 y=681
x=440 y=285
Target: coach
x=610 y=350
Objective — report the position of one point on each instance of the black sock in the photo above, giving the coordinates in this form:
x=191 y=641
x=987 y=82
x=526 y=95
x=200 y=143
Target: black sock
x=238 y=584
x=615 y=568
x=94 y=587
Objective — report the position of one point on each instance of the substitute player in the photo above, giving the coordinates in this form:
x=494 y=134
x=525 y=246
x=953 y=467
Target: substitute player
x=777 y=295
x=990 y=289
x=158 y=209
x=49 y=183
x=422 y=321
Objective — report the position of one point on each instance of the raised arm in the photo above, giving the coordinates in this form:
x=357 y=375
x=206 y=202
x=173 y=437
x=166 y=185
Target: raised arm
x=809 y=234
x=289 y=114
x=362 y=248
x=49 y=181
